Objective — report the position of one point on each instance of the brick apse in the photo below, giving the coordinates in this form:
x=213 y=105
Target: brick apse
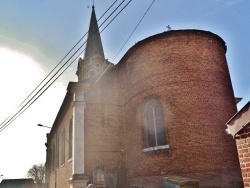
x=187 y=72
x=160 y=111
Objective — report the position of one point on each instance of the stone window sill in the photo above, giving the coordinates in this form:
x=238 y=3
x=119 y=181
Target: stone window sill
x=156 y=148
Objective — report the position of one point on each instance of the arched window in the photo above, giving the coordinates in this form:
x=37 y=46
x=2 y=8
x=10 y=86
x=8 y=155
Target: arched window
x=153 y=124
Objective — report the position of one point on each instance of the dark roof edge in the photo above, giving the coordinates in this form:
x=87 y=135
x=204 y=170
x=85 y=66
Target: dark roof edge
x=62 y=110
x=170 y=32
x=65 y=106
x=246 y=105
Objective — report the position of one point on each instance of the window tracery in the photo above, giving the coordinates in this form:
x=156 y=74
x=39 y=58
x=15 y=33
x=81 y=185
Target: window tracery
x=153 y=124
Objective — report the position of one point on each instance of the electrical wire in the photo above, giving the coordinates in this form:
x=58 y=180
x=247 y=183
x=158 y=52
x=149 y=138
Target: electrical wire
x=134 y=29
x=67 y=53
x=10 y=120
x=116 y=15
x=25 y=100
x=24 y=108
x=15 y=116
x=30 y=102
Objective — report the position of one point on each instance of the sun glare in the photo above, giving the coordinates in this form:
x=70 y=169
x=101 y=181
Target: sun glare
x=19 y=74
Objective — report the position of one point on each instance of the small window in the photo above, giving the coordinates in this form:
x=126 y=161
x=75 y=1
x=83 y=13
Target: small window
x=70 y=139
x=62 y=147
x=153 y=124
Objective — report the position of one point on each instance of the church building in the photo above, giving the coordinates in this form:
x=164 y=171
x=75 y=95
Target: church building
x=159 y=112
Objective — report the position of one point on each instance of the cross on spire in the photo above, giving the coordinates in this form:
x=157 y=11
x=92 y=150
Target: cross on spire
x=94 y=61
x=94 y=43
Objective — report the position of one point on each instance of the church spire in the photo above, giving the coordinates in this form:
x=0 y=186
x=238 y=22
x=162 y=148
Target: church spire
x=94 y=43
x=94 y=61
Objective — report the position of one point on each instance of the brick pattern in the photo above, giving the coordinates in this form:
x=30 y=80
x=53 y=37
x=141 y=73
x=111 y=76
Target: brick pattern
x=60 y=176
x=104 y=125
x=187 y=71
x=243 y=146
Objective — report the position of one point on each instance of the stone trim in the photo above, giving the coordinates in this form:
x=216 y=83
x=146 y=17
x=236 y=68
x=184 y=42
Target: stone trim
x=156 y=148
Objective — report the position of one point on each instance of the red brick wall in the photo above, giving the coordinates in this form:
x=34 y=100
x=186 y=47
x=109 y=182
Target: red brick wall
x=187 y=71
x=62 y=174
x=104 y=125
x=243 y=143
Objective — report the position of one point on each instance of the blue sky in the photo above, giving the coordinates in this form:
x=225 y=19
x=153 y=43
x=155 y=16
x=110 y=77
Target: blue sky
x=45 y=30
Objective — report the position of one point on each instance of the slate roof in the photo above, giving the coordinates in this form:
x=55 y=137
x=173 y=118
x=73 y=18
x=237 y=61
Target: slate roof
x=18 y=183
x=239 y=121
x=94 y=43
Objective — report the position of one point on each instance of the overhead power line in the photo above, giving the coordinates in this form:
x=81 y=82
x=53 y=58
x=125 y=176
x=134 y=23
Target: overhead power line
x=116 y=15
x=134 y=29
x=11 y=118
x=8 y=119
x=68 y=53
x=28 y=103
